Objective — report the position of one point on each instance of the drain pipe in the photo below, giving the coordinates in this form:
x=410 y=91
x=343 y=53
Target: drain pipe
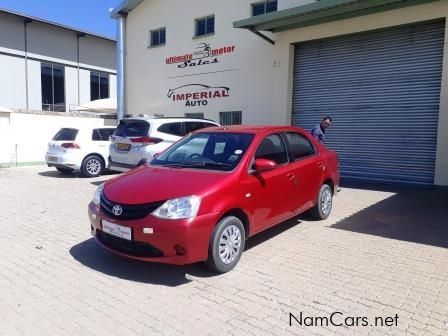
x=121 y=56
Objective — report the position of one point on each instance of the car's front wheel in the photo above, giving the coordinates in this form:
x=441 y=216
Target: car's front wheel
x=324 y=203
x=92 y=166
x=226 y=244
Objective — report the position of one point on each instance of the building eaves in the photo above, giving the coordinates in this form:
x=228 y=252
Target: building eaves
x=320 y=12
x=124 y=8
x=51 y=23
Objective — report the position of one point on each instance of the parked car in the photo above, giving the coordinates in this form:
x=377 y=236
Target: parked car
x=86 y=149
x=203 y=197
x=137 y=139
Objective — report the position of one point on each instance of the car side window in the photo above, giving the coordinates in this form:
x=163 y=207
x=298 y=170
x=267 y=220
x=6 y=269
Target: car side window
x=191 y=126
x=96 y=136
x=174 y=128
x=300 y=146
x=207 y=124
x=105 y=133
x=272 y=148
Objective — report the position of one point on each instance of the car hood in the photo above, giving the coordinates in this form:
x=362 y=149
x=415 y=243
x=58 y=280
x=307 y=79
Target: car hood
x=150 y=184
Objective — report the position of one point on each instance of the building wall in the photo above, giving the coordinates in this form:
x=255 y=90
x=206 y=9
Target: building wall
x=391 y=18
x=12 y=82
x=25 y=136
x=258 y=74
x=247 y=71
x=48 y=43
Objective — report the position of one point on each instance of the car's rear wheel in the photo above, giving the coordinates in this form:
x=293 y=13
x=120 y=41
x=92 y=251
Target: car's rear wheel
x=226 y=244
x=64 y=171
x=324 y=203
x=92 y=166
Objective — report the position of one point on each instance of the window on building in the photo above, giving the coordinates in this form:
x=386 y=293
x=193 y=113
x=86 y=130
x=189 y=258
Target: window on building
x=99 y=85
x=230 y=118
x=158 y=37
x=195 y=115
x=264 y=7
x=53 y=87
x=205 y=26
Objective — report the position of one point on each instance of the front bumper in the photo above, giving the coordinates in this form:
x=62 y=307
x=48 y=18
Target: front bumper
x=178 y=242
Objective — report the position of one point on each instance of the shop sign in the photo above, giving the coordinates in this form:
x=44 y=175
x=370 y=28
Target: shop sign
x=202 y=55
x=197 y=94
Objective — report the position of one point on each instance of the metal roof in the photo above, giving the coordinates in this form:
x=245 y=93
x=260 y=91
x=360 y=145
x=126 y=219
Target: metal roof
x=76 y=30
x=320 y=12
x=124 y=8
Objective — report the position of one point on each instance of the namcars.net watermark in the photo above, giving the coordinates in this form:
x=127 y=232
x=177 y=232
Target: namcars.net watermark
x=339 y=319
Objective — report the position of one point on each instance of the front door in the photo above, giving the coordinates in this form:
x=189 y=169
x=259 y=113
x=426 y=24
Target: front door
x=268 y=194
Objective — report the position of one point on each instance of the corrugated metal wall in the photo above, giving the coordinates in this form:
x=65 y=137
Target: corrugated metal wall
x=382 y=89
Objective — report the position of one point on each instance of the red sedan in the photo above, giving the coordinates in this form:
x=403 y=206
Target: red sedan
x=205 y=195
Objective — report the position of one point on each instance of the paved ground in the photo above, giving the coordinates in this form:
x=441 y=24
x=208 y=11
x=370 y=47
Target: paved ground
x=383 y=253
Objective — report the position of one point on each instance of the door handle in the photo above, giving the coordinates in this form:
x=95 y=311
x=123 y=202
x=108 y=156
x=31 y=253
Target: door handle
x=291 y=176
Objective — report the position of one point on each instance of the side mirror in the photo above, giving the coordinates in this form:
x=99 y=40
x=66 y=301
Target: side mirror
x=264 y=165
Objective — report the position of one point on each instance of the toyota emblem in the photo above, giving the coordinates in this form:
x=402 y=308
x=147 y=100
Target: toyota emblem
x=117 y=210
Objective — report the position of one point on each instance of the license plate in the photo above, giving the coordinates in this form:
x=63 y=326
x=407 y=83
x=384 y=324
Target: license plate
x=123 y=146
x=117 y=230
x=52 y=158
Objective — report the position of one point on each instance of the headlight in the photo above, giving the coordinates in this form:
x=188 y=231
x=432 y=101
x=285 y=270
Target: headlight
x=97 y=196
x=184 y=207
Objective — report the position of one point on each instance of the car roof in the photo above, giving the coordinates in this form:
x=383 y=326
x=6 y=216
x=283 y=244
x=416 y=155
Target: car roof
x=250 y=129
x=168 y=119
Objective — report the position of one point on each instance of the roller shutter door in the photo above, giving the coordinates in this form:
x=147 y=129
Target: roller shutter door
x=382 y=89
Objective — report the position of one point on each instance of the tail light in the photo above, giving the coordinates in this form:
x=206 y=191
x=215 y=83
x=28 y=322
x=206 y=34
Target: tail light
x=71 y=145
x=146 y=140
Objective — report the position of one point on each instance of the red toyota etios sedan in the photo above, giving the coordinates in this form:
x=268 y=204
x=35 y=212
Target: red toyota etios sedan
x=205 y=195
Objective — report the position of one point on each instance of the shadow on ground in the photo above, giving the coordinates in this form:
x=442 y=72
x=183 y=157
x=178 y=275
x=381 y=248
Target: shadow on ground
x=418 y=215
x=74 y=174
x=90 y=254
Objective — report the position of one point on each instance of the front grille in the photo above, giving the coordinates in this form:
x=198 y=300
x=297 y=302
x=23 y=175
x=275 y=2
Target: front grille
x=130 y=211
x=133 y=248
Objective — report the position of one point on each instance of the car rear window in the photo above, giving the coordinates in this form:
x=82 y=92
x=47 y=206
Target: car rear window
x=132 y=128
x=66 y=134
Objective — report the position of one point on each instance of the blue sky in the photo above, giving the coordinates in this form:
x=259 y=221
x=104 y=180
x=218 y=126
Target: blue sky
x=90 y=15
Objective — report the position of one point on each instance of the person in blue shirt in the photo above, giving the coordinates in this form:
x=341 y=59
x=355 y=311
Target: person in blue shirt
x=318 y=131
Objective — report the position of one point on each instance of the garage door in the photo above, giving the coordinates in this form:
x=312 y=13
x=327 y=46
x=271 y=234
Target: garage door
x=382 y=89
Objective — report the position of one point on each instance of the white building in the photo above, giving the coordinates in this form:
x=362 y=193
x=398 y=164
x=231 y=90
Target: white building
x=47 y=69
x=378 y=67
x=51 y=67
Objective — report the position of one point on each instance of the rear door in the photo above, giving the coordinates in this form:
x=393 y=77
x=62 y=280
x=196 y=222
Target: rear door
x=122 y=148
x=308 y=169
x=100 y=140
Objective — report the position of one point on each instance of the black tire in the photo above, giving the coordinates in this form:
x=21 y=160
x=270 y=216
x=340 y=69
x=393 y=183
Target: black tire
x=64 y=171
x=323 y=206
x=225 y=262
x=92 y=166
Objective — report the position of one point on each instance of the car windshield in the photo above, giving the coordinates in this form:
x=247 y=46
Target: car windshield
x=214 y=151
x=132 y=128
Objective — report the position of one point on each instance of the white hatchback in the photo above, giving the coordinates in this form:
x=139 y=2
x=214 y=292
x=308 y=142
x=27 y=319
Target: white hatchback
x=86 y=149
x=136 y=140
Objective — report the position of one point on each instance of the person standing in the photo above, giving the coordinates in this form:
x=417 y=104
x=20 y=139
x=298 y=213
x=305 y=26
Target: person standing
x=318 y=132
